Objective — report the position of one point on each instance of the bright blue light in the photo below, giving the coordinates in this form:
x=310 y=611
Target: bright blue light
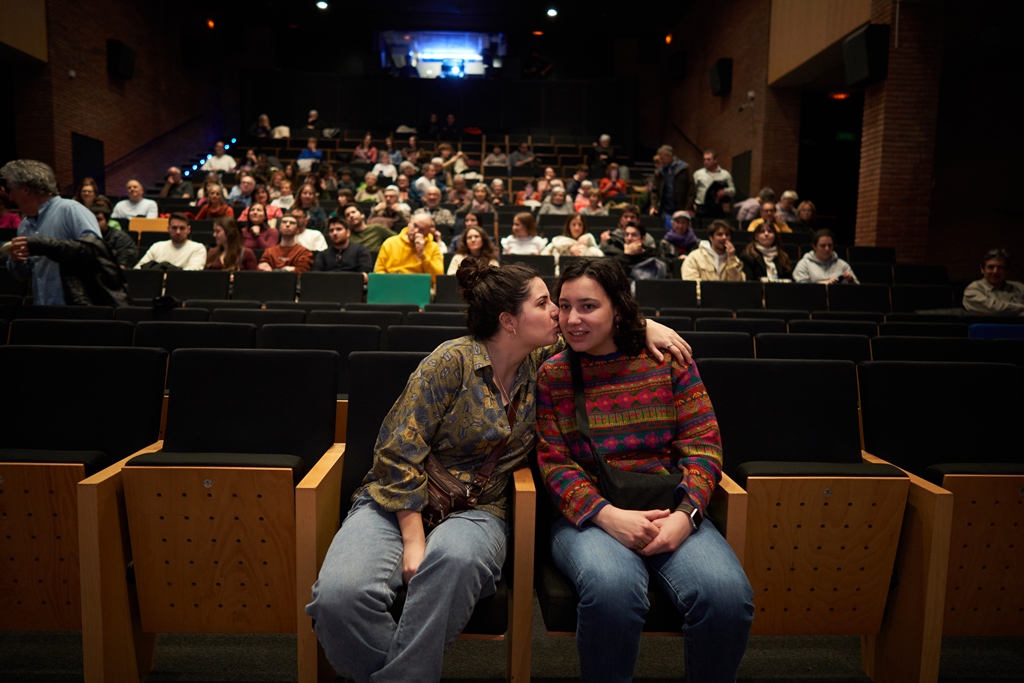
x=186 y=173
x=227 y=146
x=440 y=55
x=552 y=12
x=233 y=140
x=195 y=167
x=209 y=156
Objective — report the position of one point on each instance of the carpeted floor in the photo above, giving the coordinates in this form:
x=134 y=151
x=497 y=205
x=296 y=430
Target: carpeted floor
x=56 y=657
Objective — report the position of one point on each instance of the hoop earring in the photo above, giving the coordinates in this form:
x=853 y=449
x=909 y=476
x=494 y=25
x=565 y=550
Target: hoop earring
x=512 y=334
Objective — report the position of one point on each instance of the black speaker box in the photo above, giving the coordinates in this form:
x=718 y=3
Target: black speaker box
x=866 y=54
x=120 y=60
x=721 y=77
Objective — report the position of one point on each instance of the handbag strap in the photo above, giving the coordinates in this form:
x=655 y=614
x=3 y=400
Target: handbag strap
x=582 y=420
x=492 y=460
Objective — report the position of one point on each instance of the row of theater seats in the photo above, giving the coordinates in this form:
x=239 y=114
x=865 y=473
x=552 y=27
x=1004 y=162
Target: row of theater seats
x=370 y=330
x=884 y=532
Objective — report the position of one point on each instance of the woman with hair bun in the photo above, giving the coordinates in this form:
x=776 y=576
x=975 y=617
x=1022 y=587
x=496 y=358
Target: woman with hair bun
x=469 y=398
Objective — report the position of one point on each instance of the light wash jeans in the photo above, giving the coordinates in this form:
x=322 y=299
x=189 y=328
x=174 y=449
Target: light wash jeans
x=703 y=578
x=363 y=572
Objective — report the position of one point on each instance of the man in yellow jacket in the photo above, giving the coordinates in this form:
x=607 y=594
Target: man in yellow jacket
x=413 y=250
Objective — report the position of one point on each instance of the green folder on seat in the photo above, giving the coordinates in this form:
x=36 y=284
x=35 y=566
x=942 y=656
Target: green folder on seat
x=398 y=288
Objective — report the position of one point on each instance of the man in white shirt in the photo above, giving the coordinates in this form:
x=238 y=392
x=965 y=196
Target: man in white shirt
x=714 y=187
x=993 y=294
x=178 y=251
x=426 y=180
x=135 y=205
x=220 y=161
x=313 y=240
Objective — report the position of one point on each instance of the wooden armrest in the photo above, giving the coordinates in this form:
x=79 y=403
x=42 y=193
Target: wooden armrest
x=728 y=507
x=524 y=515
x=907 y=646
x=114 y=648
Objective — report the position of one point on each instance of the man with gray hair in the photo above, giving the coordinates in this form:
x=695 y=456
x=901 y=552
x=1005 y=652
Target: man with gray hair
x=175 y=186
x=672 y=189
x=750 y=208
x=32 y=185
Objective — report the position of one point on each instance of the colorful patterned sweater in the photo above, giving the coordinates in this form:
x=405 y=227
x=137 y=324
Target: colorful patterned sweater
x=644 y=417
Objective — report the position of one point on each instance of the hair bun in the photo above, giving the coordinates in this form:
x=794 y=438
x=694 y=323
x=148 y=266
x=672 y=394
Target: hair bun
x=471 y=273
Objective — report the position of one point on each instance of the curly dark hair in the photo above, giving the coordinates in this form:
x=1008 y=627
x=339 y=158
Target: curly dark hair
x=487 y=250
x=491 y=291
x=631 y=330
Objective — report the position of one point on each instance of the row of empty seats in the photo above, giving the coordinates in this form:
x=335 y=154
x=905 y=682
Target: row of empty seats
x=223 y=525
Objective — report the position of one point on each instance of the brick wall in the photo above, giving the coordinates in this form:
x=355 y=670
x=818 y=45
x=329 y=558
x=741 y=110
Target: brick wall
x=124 y=114
x=898 y=134
x=769 y=128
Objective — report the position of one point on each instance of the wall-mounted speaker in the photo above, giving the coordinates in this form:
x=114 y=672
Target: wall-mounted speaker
x=120 y=60
x=721 y=77
x=866 y=54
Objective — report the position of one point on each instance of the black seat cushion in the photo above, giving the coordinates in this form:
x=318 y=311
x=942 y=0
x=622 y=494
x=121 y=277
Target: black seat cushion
x=94 y=461
x=169 y=459
x=935 y=473
x=761 y=468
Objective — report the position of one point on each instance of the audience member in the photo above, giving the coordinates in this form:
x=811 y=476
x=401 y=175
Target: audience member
x=263 y=169
x=258 y=233
x=291 y=173
x=769 y=215
x=365 y=151
x=582 y=197
x=680 y=240
x=179 y=251
x=215 y=206
x=612 y=241
x=262 y=128
x=260 y=195
x=175 y=186
x=211 y=180
x=412 y=151
x=602 y=156
x=370 y=236
x=713 y=187
x=524 y=240
x=450 y=130
x=310 y=238
x=822 y=265
x=672 y=189
x=481 y=201
x=307 y=200
x=274 y=185
x=443 y=218
x=393 y=155
x=714 y=259
x=343 y=254
x=385 y=169
x=574 y=240
x=522 y=162
x=498 y=194
x=473 y=242
x=612 y=187
x=452 y=163
x=470 y=220
x=807 y=216
x=219 y=162
x=370 y=192
x=750 y=208
x=390 y=213
x=764 y=258
x=528 y=196
x=993 y=294
x=428 y=179
x=576 y=182
x=240 y=196
x=33 y=186
x=496 y=158
x=459 y=193
x=556 y=204
x=288 y=255
x=345 y=182
x=405 y=198
x=135 y=204
x=309 y=156
x=119 y=242
x=413 y=250
x=787 y=207
x=431 y=128
x=639 y=258
x=345 y=197
x=88 y=192
x=313 y=126
x=326 y=182
x=593 y=206
x=612 y=554
x=229 y=252
x=284 y=200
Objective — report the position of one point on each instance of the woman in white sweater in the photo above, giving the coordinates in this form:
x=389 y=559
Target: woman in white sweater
x=524 y=240
x=574 y=240
x=822 y=266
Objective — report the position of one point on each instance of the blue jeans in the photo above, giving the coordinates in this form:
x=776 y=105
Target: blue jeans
x=703 y=578
x=363 y=572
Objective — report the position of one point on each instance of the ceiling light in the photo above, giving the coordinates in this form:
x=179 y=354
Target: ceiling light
x=209 y=23
x=839 y=95
x=538 y=33
x=322 y=4
x=668 y=39
x=552 y=12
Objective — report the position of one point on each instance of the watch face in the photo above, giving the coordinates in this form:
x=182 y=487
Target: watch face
x=697 y=517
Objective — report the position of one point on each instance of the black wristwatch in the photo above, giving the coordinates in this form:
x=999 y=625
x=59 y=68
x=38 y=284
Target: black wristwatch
x=696 y=518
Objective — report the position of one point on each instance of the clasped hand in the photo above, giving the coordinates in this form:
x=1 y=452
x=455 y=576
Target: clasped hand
x=648 y=532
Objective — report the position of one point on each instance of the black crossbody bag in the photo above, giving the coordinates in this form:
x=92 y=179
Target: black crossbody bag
x=625 y=490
